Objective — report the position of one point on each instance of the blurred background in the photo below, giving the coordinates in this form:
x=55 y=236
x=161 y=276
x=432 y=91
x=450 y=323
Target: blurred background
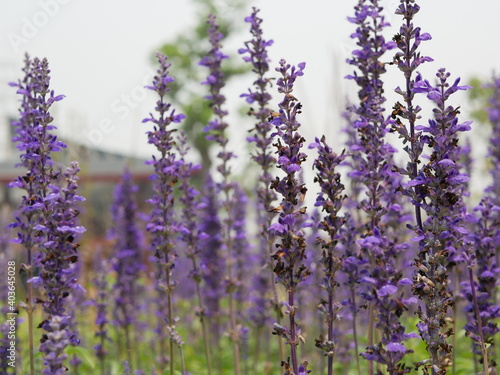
x=102 y=55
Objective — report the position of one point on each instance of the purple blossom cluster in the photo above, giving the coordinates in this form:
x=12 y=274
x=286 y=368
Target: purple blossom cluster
x=230 y=251
x=128 y=264
x=373 y=172
x=289 y=267
x=480 y=292
x=330 y=200
x=101 y=303
x=255 y=52
x=162 y=224
x=47 y=217
x=442 y=233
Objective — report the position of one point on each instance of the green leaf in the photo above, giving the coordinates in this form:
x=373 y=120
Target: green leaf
x=83 y=354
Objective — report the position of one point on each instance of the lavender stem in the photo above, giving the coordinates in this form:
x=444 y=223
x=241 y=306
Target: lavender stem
x=477 y=312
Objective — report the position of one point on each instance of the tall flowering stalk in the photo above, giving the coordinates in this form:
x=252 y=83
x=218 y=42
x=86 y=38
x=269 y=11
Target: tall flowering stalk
x=242 y=247
x=374 y=171
x=216 y=130
x=439 y=185
x=430 y=188
x=353 y=269
x=191 y=234
x=127 y=263
x=355 y=265
x=244 y=267
x=211 y=259
x=330 y=200
x=408 y=59
x=47 y=218
x=289 y=267
x=101 y=303
x=483 y=309
x=255 y=52
x=162 y=224
x=31 y=137
x=57 y=275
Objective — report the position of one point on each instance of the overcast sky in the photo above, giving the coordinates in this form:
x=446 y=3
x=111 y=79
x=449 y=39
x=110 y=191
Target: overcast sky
x=99 y=54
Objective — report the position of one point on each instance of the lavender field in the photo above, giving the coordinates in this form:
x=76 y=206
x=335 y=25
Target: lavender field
x=367 y=259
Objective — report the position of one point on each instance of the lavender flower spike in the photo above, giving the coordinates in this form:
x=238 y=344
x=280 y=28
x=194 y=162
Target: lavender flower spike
x=128 y=259
x=162 y=224
x=36 y=144
x=439 y=183
x=216 y=130
x=48 y=214
x=408 y=59
x=101 y=269
x=191 y=235
x=330 y=200
x=255 y=52
x=58 y=253
x=485 y=239
x=374 y=172
x=289 y=268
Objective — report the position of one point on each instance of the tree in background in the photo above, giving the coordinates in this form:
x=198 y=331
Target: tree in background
x=479 y=96
x=184 y=52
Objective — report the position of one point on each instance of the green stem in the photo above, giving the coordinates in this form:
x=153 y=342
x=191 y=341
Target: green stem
x=355 y=331
x=203 y=322
x=276 y=305
x=127 y=347
x=484 y=350
x=170 y=323
x=30 y=308
x=183 y=362
x=293 y=337
x=29 y=311
x=455 y=308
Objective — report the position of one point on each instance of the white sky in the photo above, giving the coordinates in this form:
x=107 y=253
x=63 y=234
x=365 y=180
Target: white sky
x=99 y=53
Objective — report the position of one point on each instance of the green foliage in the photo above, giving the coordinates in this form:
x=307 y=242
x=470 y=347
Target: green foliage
x=184 y=52
x=478 y=99
x=88 y=360
x=266 y=364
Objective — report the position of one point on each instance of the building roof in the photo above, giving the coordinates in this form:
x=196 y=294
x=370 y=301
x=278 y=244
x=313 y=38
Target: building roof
x=96 y=165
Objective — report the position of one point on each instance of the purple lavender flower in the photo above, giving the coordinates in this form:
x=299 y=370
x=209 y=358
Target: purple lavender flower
x=57 y=275
x=128 y=263
x=48 y=213
x=101 y=303
x=54 y=341
x=215 y=81
x=191 y=234
x=302 y=370
x=242 y=247
x=255 y=52
x=494 y=148
x=289 y=268
x=216 y=130
x=442 y=233
x=408 y=59
x=162 y=223
x=36 y=143
x=330 y=200
x=485 y=238
x=374 y=172
x=212 y=261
